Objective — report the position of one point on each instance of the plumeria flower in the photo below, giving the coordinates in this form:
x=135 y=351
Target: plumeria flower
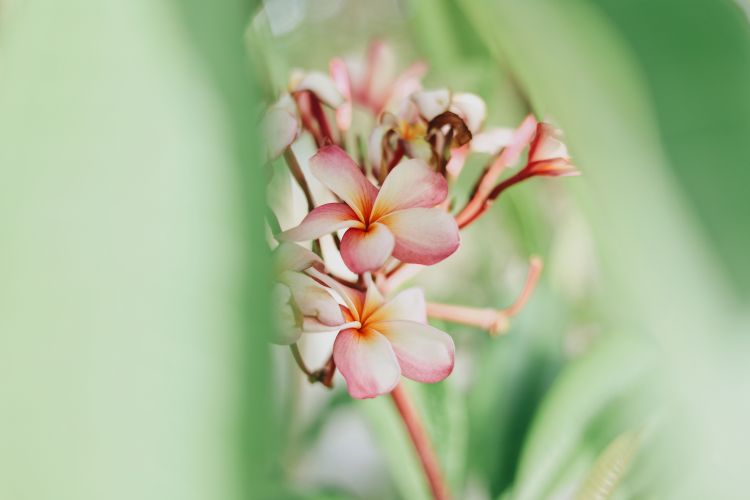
x=388 y=339
x=548 y=155
x=302 y=304
x=373 y=82
x=396 y=220
x=470 y=107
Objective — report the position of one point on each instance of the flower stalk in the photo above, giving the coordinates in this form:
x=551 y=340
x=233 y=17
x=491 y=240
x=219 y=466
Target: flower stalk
x=495 y=321
x=420 y=440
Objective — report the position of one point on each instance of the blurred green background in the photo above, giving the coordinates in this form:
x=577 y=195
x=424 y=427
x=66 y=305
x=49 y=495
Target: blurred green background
x=133 y=280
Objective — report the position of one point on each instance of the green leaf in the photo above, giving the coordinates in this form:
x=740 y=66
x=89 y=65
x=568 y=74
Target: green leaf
x=615 y=365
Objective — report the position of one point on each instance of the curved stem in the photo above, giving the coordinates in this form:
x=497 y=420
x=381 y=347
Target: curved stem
x=299 y=176
x=298 y=359
x=421 y=442
x=535 y=270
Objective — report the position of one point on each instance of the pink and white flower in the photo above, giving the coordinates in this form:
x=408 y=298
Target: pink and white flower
x=374 y=81
x=398 y=219
x=388 y=339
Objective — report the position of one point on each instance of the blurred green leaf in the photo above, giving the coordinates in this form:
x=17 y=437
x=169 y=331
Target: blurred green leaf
x=614 y=365
x=609 y=468
x=512 y=375
x=133 y=301
x=660 y=274
x=695 y=58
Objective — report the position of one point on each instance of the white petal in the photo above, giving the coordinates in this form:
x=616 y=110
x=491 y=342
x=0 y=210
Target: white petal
x=287 y=330
x=491 y=141
x=406 y=305
x=471 y=108
x=280 y=128
x=292 y=257
x=431 y=102
x=312 y=299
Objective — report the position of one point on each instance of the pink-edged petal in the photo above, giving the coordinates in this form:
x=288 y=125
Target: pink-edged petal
x=356 y=69
x=492 y=141
x=333 y=167
x=471 y=108
x=407 y=305
x=423 y=235
x=340 y=75
x=547 y=144
x=319 y=84
x=431 y=103
x=322 y=220
x=424 y=353
x=280 y=128
x=381 y=74
x=367 y=363
x=412 y=183
x=312 y=299
x=367 y=250
x=292 y=257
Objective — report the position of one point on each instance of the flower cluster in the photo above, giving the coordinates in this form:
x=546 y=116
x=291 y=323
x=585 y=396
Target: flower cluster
x=393 y=211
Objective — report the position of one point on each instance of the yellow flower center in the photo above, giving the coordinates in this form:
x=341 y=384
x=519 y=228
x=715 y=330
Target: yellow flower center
x=409 y=131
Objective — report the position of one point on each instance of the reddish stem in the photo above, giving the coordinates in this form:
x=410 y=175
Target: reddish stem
x=421 y=443
x=466 y=217
x=304 y=105
x=320 y=117
x=535 y=270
